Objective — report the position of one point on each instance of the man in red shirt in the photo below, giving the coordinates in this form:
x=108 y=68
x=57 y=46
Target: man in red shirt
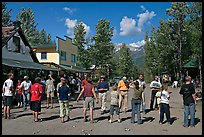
x=84 y=82
x=36 y=94
x=89 y=95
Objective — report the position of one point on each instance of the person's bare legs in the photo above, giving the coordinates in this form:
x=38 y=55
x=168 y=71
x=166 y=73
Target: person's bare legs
x=36 y=116
x=84 y=114
x=5 y=112
x=8 y=112
x=48 y=100
x=91 y=114
x=51 y=101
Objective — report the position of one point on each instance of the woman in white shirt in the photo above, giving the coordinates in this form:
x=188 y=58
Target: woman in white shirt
x=164 y=105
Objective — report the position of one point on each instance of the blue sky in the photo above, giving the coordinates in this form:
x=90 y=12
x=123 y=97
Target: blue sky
x=129 y=19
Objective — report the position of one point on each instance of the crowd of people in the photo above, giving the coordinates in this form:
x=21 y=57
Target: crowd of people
x=28 y=94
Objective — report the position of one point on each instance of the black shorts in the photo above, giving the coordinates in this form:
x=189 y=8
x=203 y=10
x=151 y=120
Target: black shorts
x=8 y=101
x=35 y=106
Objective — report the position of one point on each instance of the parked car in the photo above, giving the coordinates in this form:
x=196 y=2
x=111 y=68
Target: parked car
x=115 y=81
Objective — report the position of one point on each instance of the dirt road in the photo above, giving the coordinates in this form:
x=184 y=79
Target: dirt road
x=23 y=124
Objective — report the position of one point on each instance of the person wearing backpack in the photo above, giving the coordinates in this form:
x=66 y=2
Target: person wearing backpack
x=89 y=93
x=36 y=95
x=63 y=93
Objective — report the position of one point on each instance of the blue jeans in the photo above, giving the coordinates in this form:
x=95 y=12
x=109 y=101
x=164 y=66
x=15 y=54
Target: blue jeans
x=136 y=107
x=190 y=109
x=164 y=108
x=26 y=99
x=143 y=106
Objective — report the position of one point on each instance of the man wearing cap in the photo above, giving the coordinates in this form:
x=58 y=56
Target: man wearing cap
x=50 y=88
x=155 y=86
x=103 y=87
x=123 y=87
x=26 y=85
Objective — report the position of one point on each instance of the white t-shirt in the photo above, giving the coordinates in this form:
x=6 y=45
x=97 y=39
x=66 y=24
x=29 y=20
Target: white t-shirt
x=26 y=85
x=50 y=85
x=155 y=83
x=164 y=97
x=8 y=84
x=141 y=82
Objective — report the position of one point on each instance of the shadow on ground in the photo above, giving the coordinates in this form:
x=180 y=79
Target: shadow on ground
x=51 y=118
x=148 y=119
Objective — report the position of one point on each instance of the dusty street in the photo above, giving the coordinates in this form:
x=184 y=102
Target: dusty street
x=22 y=122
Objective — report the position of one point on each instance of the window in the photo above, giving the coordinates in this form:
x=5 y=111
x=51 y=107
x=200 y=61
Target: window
x=43 y=55
x=63 y=55
x=16 y=41
x=73 y=58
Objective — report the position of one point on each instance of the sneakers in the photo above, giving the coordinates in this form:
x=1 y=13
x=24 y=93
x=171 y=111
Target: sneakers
x=119 y=120
x=160 y=123
x=185 y=126
x=169 y=123
x=192 y=126
x=110 y=121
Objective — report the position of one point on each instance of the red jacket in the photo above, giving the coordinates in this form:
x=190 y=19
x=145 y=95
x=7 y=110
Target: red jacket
x=36 y=92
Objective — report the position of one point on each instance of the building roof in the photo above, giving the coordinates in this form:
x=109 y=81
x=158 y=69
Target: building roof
x=25 y=64
x=45 y=46
x=9 y=32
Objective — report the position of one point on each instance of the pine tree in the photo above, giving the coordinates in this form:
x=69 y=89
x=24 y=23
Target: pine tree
x=49 y=40
x=43 y=37
x=178 y=13
x=80 y=41
x=28 y=24
x=126 y=66
x=101 y=49
x=6 y=17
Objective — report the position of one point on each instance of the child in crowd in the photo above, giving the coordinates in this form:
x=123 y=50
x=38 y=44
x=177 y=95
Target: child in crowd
x=19 y=95
x=158 y=96
x=114 y=104
x=164 y=105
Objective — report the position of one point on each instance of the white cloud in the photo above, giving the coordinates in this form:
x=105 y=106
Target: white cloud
x=71 y=24
x=143 y=8
x=114 y=33
x=144 y=17
x=69 y=10
x=128 y=26
x=137 y=44
x=87 y=28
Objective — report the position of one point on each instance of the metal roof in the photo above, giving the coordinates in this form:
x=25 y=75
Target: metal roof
x=25 y=64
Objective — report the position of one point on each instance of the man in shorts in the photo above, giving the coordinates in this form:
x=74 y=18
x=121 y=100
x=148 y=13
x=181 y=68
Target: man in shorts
x=50 y=88
x=8 y=95
x=89 y=93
